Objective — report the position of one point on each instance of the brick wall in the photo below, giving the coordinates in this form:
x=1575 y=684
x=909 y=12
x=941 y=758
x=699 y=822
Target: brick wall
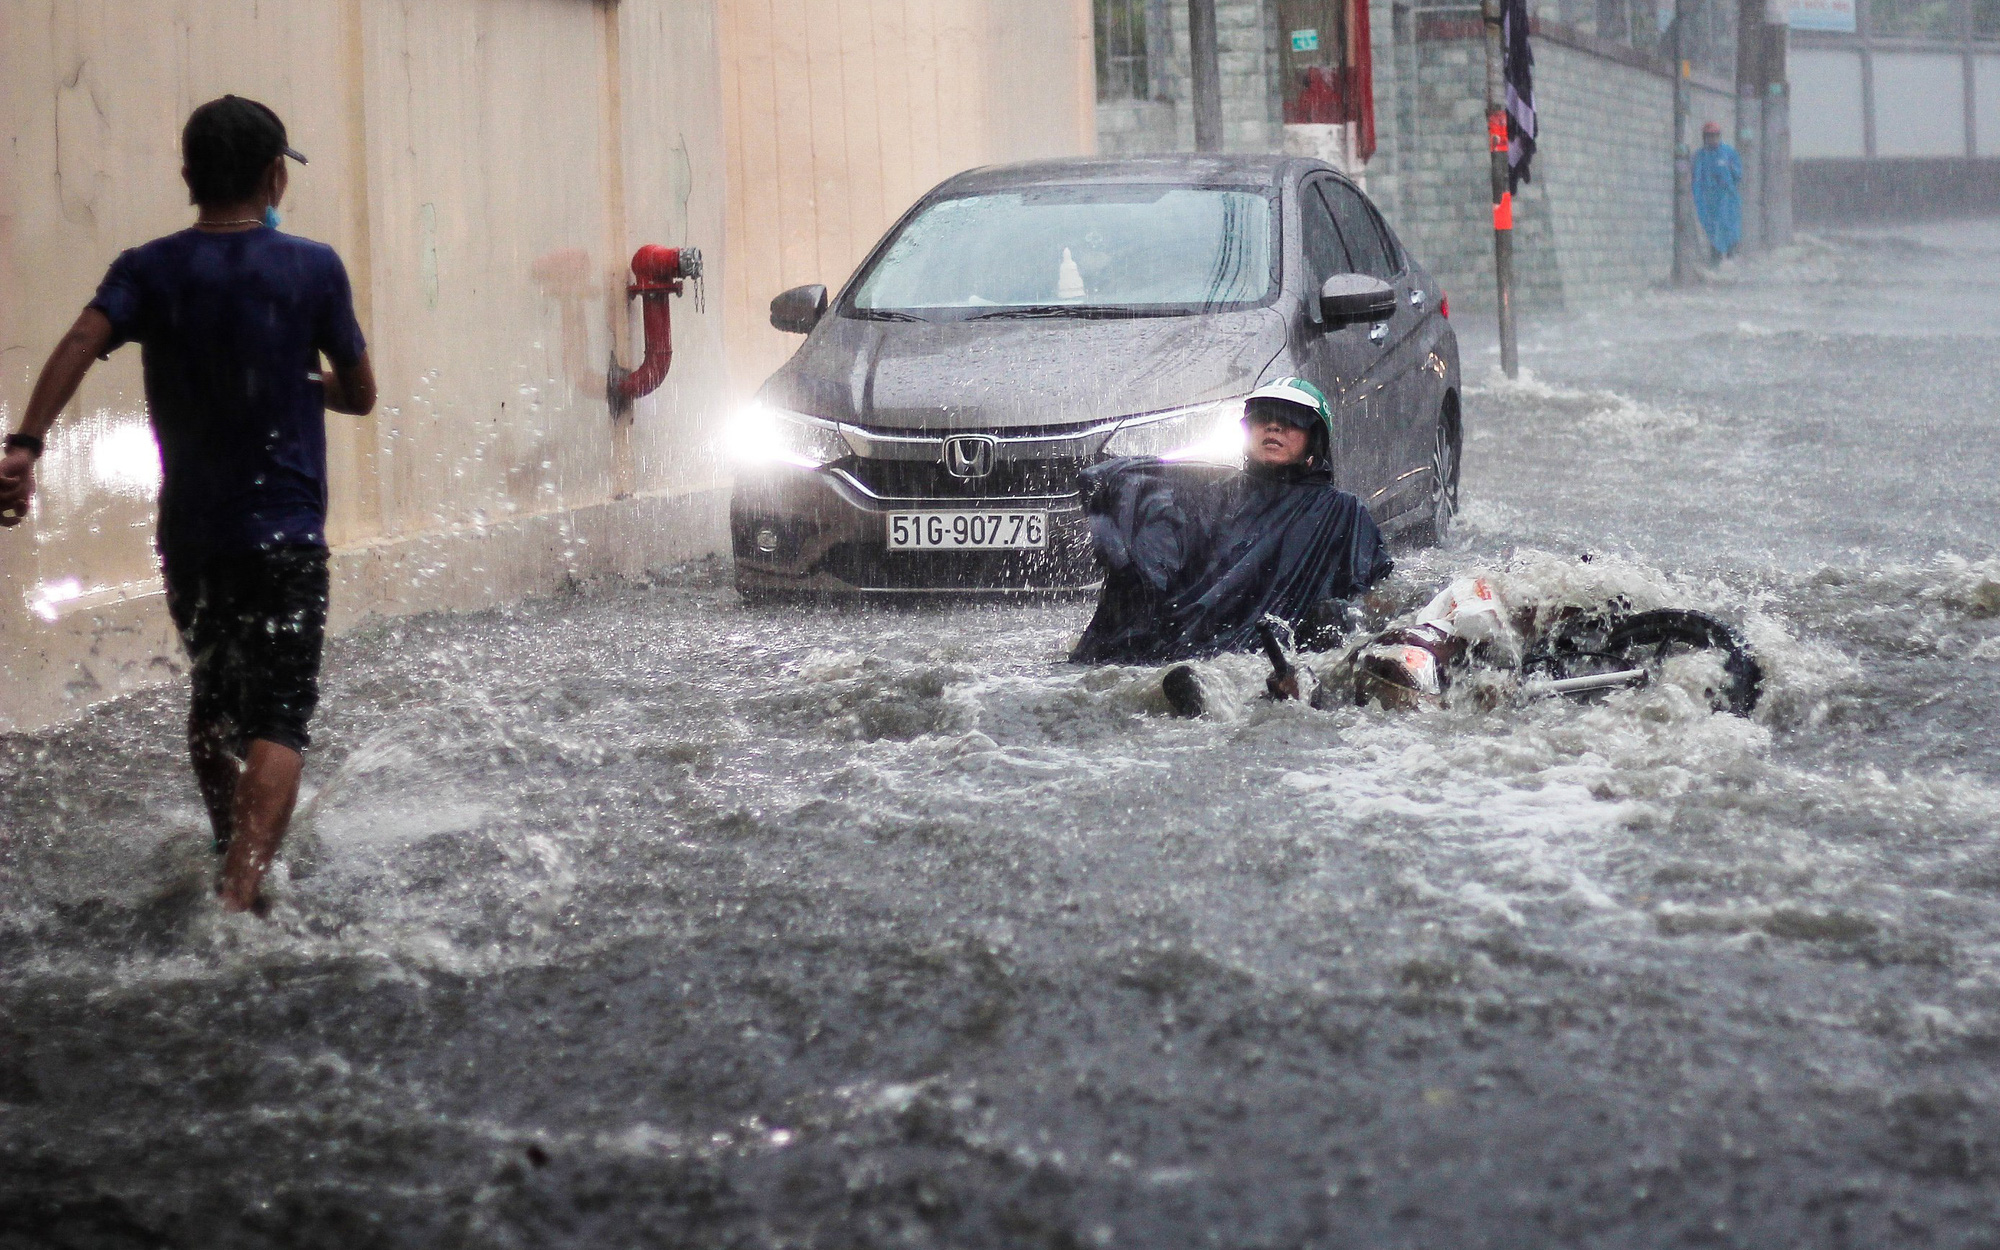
x=1247 y=53
x=1595 y=223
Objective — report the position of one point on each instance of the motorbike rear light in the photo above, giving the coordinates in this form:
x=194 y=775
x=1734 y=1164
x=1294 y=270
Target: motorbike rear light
x=1444 y=307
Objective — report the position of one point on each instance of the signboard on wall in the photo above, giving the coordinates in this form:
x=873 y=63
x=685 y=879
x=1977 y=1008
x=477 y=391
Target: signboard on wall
x=1833 y=15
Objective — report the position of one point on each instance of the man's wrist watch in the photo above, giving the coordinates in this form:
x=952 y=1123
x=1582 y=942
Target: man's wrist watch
x=26 y=442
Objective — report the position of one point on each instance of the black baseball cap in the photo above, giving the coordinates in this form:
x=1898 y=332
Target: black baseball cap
x=284 y=143
x=239 y=120
x=227 y=145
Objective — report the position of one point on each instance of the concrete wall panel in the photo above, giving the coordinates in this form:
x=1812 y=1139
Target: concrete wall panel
x=1919 y=104
x=1827 y=104
x=94 y=113
x=486 y=168
x=1986 y=104
x=840 y=113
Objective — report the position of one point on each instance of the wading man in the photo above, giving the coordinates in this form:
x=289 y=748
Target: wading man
x=232 y=318
x=1194 y=562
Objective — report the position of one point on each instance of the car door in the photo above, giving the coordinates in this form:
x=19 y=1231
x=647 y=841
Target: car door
x=1420 y=370
x=1338 y=361
x=1392 y=416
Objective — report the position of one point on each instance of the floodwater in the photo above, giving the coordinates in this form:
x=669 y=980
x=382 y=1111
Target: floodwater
x=643 y=917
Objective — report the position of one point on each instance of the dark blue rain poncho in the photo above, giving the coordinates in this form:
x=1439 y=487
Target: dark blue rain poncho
x=1194 y=561
x=1718 y=200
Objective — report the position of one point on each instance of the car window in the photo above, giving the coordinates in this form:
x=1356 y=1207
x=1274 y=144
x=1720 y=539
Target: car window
x=1365 y=245
x=1326 y=255
x=1143 y=247
x=1399 y=260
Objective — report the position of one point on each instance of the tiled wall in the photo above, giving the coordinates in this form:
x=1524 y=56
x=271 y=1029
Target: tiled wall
x=1596 y=221
x=1245 y=34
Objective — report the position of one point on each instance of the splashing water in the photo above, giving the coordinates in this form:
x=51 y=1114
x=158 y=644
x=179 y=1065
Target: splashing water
x=640 y=915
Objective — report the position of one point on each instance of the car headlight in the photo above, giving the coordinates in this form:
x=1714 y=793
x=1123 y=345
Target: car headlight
x=759 y=434
x=1212 y=433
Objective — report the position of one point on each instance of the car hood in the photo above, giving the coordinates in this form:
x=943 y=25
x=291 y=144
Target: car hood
x=971 y=375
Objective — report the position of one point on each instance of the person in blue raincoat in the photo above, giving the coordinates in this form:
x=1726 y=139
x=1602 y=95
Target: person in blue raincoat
x=1194 y=562
x=1718 y=198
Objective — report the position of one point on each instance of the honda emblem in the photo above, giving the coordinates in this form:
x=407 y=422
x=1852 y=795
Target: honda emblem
x=969 y=455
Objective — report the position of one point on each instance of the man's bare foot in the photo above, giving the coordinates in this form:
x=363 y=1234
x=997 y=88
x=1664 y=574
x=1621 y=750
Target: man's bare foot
x=243 y=869
x=258 y=906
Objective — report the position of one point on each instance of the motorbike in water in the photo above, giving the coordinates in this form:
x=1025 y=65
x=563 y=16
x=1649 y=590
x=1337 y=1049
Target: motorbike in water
x=1467 y=629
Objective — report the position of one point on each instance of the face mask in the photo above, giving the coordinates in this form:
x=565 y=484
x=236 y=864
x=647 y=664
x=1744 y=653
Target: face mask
x=271 y=217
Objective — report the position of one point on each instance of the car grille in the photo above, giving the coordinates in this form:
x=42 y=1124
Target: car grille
x=922 y=479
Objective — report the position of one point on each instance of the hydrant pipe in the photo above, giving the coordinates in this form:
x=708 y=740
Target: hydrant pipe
x=658 y=317
x=657 y=274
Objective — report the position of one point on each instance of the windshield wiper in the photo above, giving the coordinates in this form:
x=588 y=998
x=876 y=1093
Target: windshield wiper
x=883 y=314
x=1028 y=311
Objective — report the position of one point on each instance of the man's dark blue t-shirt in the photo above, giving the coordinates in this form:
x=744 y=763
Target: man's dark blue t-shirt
x=231 y=324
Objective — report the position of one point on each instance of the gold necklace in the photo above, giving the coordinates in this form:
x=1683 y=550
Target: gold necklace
x=240 y=221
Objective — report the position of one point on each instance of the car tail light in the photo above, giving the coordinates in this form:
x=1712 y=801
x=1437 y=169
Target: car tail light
x=1444 y=307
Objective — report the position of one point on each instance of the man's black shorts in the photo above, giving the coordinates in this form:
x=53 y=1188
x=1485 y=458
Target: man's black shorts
x=253 y=623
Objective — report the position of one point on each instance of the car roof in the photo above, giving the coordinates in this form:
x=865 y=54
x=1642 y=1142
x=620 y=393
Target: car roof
x=1199 y=170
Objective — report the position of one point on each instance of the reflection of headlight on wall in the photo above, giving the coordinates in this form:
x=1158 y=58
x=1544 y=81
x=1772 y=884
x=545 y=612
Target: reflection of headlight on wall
x=1207 y=432
x=124 y=458
x=760 y=434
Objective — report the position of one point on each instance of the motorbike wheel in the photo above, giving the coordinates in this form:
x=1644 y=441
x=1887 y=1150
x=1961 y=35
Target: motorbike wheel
x=1613 y=641
x=1649 y=639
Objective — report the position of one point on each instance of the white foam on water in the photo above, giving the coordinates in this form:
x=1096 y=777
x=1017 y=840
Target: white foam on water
x=1950 y=585
x=1601 y=411
x=1556 y=812
x=1518 y=818
x=1514 y=811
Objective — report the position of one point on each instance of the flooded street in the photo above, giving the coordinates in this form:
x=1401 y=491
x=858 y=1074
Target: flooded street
x=645 y=917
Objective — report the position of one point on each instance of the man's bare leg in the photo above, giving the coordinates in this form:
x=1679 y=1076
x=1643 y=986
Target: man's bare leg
x=266 y=792
x=216 y=769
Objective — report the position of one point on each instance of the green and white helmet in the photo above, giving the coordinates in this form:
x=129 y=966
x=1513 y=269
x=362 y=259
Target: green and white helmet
x=1301 y=394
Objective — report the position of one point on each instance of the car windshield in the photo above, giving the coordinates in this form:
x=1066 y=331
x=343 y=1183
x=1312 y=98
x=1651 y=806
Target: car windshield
x=1096 y=250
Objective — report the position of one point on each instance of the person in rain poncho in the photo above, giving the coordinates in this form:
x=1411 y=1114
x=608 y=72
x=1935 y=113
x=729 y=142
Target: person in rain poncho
x=1718 y=200
x=1193 y=562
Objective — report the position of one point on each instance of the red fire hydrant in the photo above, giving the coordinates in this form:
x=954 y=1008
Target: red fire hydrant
x=657 y=275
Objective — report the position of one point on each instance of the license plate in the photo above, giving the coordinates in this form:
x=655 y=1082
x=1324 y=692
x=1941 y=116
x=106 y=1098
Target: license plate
x=968 y=531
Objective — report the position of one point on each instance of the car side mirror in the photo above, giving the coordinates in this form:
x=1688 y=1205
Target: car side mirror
x=798 y=310
x=1348 y=298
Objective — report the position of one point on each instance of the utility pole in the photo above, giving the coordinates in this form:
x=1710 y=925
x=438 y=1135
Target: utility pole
x=1503 y=195
x=1777 y=132
x=1684 y=225
x=1750 y=118
x=1205 y=70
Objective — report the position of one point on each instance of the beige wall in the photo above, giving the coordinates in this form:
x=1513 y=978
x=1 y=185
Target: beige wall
x=840 y=113
x=485 y=167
